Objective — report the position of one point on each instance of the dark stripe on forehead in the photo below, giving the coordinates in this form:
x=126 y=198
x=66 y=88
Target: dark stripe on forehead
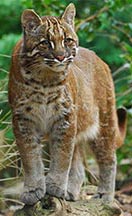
x=54 y=26
x=56 y=23
x=48 y=22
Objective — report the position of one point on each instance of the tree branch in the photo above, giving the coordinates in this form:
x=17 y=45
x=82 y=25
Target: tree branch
x=92 y=17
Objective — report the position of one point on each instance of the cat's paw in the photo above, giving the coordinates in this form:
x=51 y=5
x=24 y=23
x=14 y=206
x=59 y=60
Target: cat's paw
x=73 y=191
x=54 y=188
x=72 y=195
x=33 y=191
x=76 y=178
x=30 y=197
x=106 y=197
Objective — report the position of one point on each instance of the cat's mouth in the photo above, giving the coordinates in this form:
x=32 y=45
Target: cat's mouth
x=55 y=63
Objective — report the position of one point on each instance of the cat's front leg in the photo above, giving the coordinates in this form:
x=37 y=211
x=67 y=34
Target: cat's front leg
x=61 y=151
x=30 y=151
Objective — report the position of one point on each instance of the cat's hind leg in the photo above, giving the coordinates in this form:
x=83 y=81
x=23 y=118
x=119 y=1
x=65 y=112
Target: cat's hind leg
x=106 y=159
x=76 y=176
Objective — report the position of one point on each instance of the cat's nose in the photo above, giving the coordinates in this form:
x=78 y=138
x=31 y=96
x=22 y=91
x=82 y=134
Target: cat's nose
x=60 y=57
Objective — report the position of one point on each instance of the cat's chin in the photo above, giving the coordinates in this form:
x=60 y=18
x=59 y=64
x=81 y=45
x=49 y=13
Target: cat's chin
x=58 y=67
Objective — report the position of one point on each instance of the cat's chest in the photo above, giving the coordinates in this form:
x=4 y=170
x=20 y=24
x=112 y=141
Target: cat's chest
x=45 y=106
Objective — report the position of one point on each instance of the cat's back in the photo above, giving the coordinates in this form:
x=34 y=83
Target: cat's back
x=91 y=68
x=87 y=60
x=94 y=79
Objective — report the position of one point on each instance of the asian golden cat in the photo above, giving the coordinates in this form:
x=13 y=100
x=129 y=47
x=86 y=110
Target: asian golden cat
x=66 y=93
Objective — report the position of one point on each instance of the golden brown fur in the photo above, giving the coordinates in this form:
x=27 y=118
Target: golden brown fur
x=66 y=93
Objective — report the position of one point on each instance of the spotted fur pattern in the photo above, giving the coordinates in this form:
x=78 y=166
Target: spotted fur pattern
x=65 y=93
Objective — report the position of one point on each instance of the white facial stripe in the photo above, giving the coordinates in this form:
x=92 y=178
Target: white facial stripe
x=30 y=54
x=42 y=39
x=52 y=44
x=63 y=45
x=76 y=50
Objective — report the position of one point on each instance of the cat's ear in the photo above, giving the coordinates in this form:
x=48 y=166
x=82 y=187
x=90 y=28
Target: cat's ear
x=69 y=14
x=30 y=20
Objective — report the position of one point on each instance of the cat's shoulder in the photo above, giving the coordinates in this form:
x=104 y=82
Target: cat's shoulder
x=86 y=54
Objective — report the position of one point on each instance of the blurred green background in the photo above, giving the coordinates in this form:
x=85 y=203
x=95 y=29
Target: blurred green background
x=104 y=26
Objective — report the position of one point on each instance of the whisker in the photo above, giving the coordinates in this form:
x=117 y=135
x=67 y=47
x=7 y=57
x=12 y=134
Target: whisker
x=49 y=60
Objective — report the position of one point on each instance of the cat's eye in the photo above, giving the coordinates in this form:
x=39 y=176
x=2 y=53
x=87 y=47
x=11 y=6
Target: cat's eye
x=68 y=41
x=44 y=42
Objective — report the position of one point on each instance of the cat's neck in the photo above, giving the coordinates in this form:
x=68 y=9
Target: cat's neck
x=43 y=76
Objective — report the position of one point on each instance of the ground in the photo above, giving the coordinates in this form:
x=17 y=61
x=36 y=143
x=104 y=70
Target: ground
x=9 y=201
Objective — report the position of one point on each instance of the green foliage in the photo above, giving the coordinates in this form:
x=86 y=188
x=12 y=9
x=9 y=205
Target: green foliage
x=7 y=42
x=10 y=12
x=109 y=34
x=104 y=26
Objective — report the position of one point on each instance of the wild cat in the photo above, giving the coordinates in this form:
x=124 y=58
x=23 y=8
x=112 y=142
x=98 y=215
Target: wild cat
x=66 y=93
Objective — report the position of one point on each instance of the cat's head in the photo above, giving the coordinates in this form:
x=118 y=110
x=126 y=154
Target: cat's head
x=50 y=41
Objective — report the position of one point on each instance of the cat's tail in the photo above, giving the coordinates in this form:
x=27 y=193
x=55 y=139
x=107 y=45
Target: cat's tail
x=122 y=123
